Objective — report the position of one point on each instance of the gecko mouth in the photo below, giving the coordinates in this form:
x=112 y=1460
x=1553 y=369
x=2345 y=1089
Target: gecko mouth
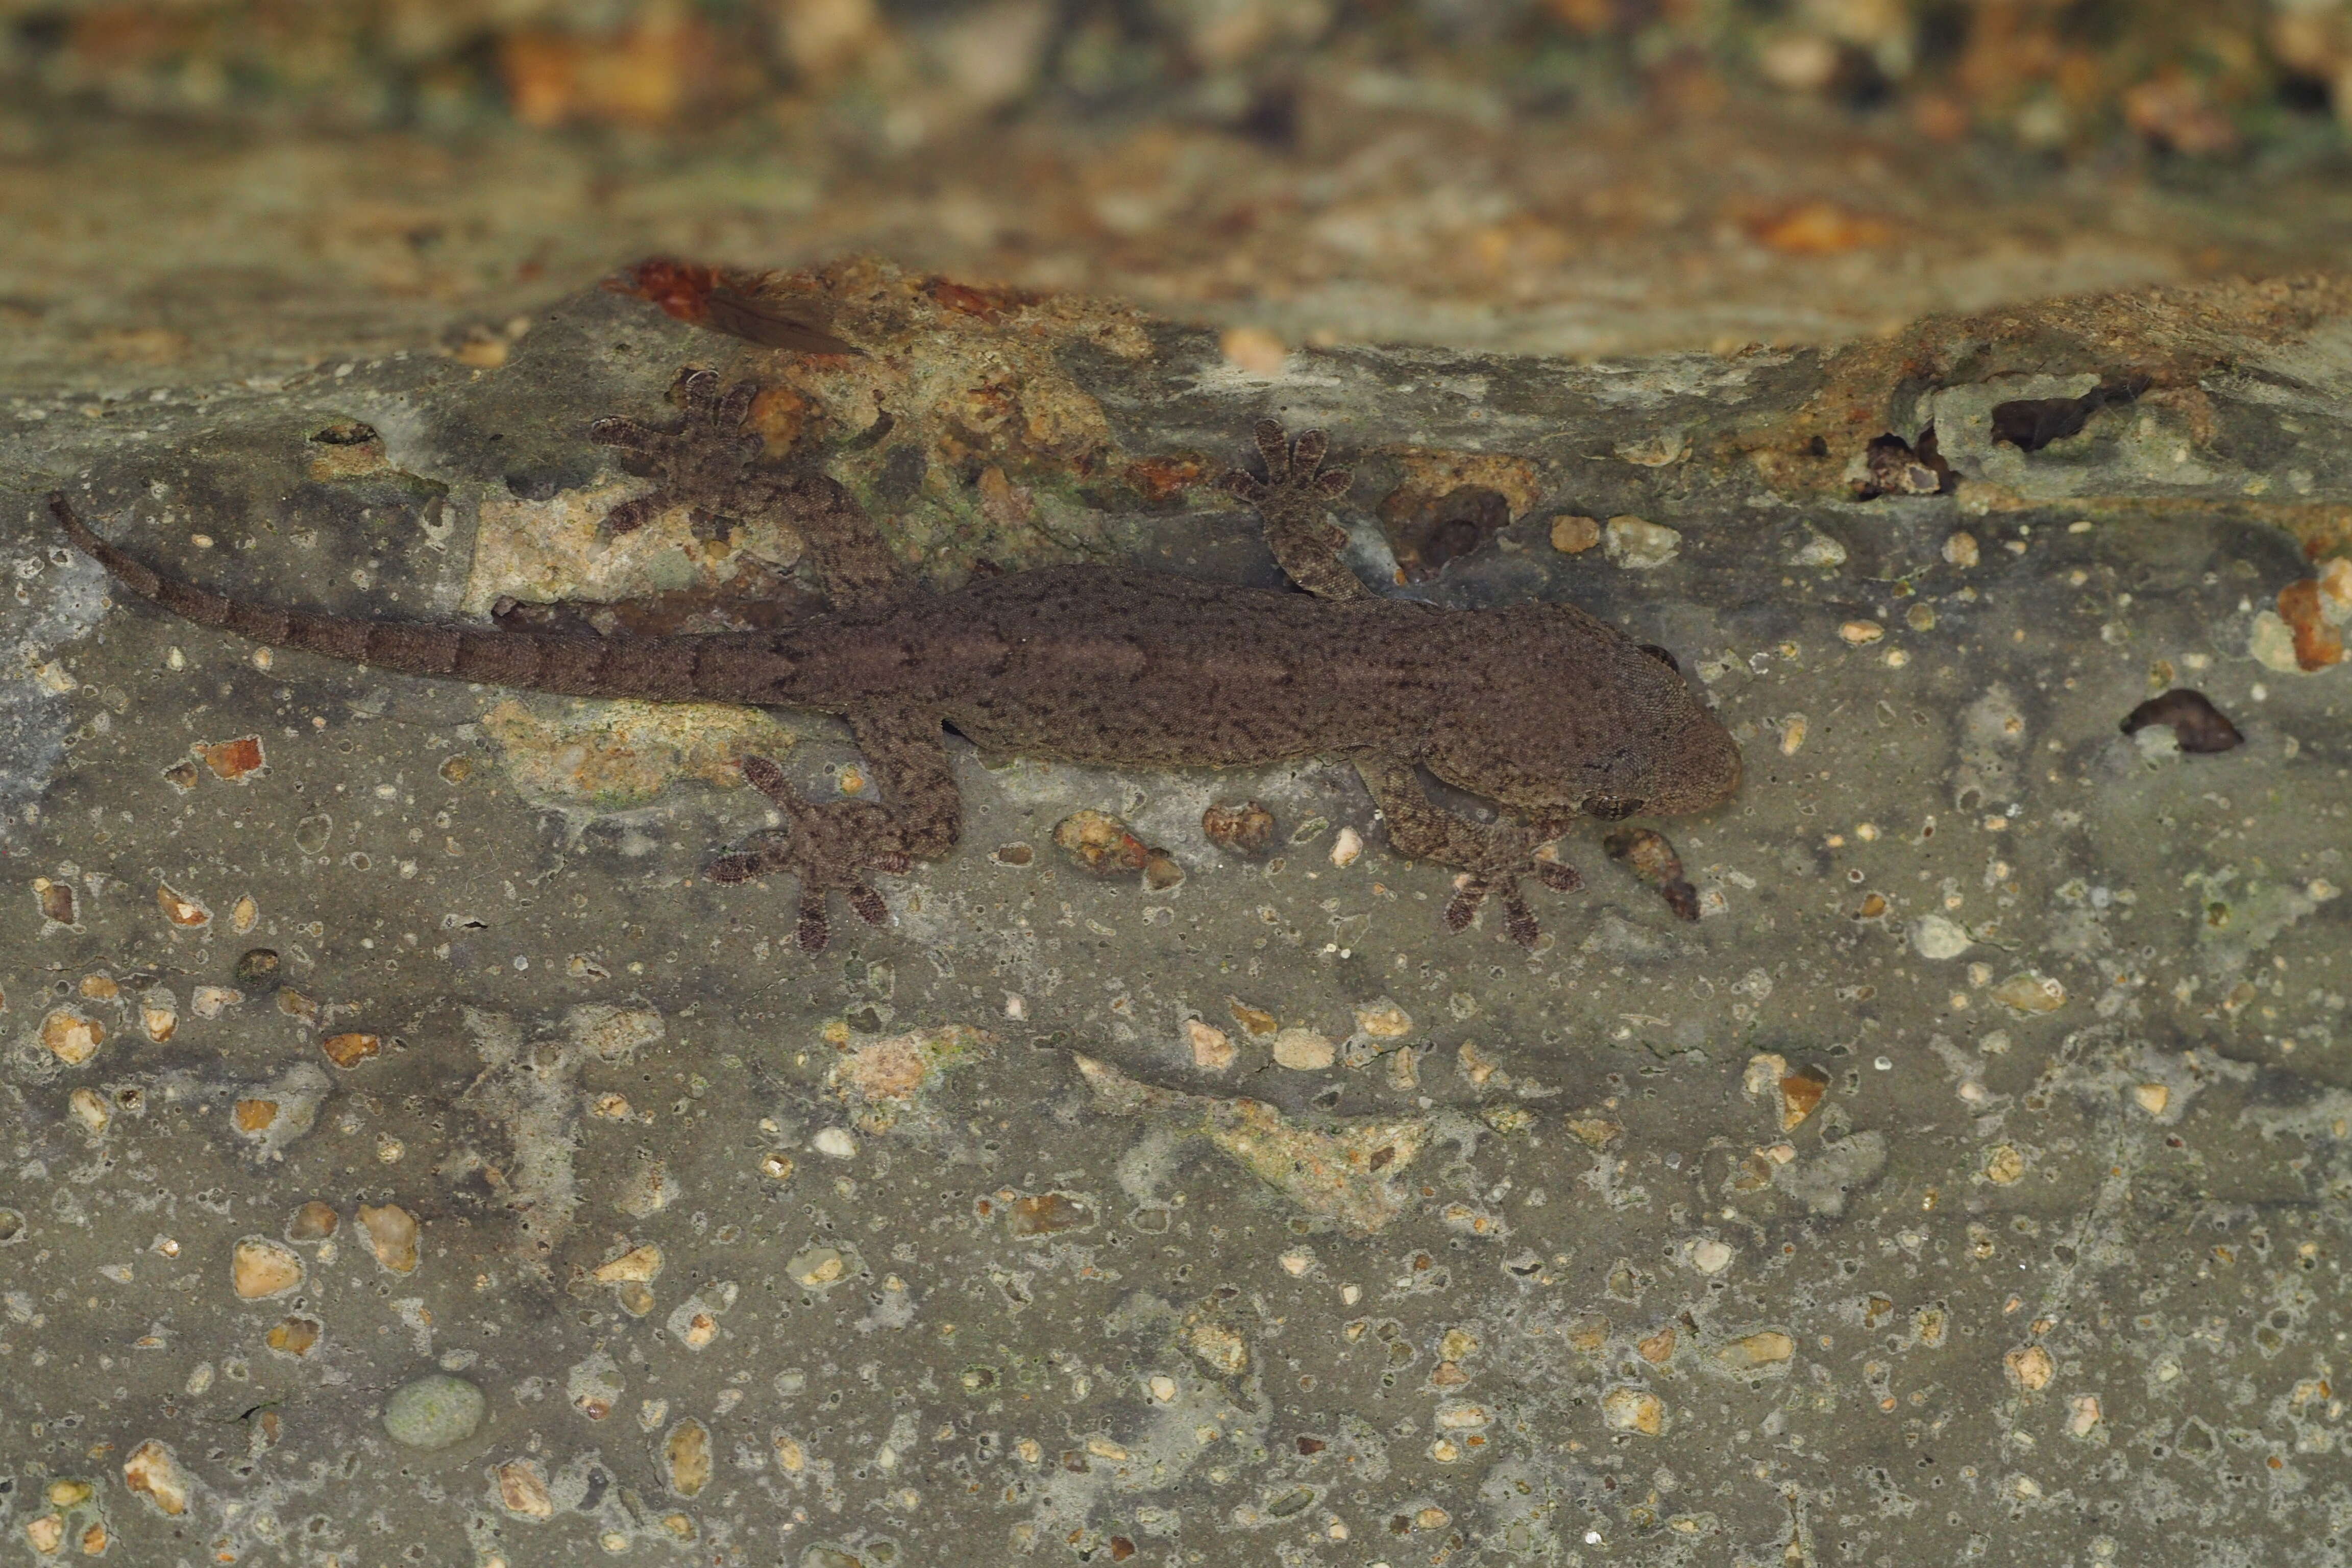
x=1612 y=807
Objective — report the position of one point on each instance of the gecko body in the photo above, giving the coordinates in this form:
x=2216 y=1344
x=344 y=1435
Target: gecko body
x=1540 y=707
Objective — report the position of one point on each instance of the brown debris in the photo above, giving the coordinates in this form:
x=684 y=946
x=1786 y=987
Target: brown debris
x=2318 y=641
x=55 y=899
x=2201 y=727
x=1244 y=829
x=232 y=760
x=1649 y=854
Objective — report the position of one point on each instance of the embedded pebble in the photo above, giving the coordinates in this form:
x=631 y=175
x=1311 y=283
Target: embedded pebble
x=259 y=1268
x=1572 y=534
x=1638 y=544
x=1711 y=1257
x=1934 y=937
x=392 y=1233
x=637 y=1266
x=835 y=1143
x=433 y=1412
x=1304 y=1050
x=818 y=1268
x=686 y=1457
x=73 y=1038
x=1860 y=634
x=523 y=1489
x=1099 y=843
x=1213 y=1050
x=348 y=1051
x=2029 y=993
x=1769 y=1347
x=153 y=1471
x=1633 y=1410
x=1818 y=550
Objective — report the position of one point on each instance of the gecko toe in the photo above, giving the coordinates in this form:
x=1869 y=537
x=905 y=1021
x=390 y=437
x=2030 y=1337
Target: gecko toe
x=1247 y=488
x=868 y=904
x=631 y=515
x=735 y=867
x=1558 y=876
x=1518 y=920
x=762 y=775
x=1463 y=908
x=1333 y=482
x=731 y=410
x=697 y=391
x=626 y=434
x=1274 y=446
x=1307 y=452
x=810 y=932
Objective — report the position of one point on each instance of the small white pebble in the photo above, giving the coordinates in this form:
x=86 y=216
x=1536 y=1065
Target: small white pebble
x=835 y=1141
x=1710 y=1257
x=1346 y=847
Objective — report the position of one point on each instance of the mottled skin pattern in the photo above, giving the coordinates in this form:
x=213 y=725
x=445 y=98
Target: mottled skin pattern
x=1538 y=708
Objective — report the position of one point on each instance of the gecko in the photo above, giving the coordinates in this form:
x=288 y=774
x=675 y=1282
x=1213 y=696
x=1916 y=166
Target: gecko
x=1546 y=711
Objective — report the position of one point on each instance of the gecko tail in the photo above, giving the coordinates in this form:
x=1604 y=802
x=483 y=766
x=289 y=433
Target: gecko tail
x=657 y=668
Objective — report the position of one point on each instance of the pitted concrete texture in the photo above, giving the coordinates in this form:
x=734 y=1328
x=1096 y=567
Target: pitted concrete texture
x=1968 y=1180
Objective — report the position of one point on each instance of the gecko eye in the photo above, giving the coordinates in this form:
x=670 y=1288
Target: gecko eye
x=1662 y=655
x=1611 y=808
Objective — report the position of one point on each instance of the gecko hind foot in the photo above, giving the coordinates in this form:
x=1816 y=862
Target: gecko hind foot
x=702 y=462
x=1518 y=920
x=829 y=848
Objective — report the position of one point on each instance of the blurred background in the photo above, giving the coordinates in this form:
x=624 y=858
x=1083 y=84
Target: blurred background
x=193 y=185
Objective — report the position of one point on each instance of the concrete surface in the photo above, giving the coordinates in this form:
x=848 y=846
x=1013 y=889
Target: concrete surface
x=1969 y=1182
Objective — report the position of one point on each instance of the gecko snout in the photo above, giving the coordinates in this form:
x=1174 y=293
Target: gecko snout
x=1705 y=773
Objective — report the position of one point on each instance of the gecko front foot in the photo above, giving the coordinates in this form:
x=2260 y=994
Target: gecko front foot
x=1291 y=501
x=703 y=462
x=1503 y=885
x=829 y=847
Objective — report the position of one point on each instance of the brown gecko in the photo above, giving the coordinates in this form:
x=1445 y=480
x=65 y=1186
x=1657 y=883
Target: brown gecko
x=1540 y=707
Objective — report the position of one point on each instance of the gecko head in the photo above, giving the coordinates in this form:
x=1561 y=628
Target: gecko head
x=1694 y=767
x=1679 y=758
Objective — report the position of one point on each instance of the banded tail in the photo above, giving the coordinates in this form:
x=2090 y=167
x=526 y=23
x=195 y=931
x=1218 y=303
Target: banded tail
x=657 y=668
